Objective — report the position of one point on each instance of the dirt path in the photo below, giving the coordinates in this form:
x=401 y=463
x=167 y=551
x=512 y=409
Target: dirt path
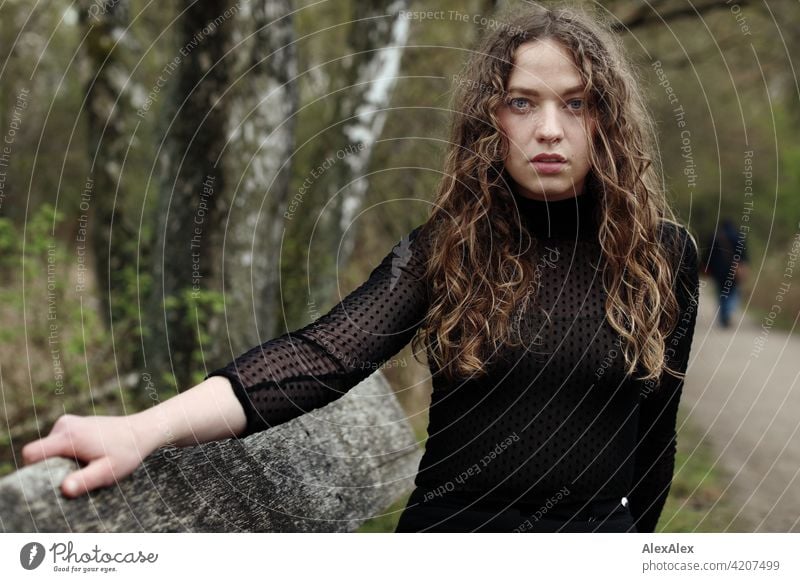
x=748 y=401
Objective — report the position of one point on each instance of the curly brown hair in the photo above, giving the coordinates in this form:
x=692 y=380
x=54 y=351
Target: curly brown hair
x=477 y=240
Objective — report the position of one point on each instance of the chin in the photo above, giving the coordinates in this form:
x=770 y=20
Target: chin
x=550 y=189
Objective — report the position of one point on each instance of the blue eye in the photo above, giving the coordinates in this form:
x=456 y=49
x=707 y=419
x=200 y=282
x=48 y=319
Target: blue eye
x=513 y=103
x=578 y=101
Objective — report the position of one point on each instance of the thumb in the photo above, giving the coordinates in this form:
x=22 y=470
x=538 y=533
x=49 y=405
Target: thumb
x=96 y=474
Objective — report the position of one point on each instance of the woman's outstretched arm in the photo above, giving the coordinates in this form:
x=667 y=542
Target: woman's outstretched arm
x=113 y=446
x=308 y=368
x=270 y=384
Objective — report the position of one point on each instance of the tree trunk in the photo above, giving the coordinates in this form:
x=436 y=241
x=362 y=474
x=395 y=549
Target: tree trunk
x=376 y=42
x=264 y=100
x=191 y=207
x=110 y=115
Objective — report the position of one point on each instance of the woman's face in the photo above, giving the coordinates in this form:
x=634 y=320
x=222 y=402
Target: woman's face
x=545 y=114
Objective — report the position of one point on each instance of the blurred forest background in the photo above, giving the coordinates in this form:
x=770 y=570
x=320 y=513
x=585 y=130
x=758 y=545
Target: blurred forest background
x=228 y=171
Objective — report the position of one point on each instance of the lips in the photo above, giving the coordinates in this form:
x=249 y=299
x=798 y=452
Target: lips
x=548 y=163
x=549 y=158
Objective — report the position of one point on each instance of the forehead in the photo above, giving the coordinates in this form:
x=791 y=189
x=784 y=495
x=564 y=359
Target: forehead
x=544 y=65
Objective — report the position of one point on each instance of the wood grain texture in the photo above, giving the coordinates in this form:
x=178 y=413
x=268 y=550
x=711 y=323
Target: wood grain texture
x=325 y=471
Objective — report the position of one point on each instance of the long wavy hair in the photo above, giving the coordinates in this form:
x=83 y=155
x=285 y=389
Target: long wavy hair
x=476 y=268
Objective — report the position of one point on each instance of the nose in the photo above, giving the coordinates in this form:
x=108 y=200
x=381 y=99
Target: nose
x=548 y=125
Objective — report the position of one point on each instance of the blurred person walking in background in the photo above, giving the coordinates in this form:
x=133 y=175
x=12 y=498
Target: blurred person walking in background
x=726 y=262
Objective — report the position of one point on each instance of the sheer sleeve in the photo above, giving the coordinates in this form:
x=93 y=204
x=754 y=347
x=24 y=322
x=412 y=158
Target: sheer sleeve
x=308 y=368
x=656 y=444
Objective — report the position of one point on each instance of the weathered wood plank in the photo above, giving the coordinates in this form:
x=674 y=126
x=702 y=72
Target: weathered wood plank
x=328 y=470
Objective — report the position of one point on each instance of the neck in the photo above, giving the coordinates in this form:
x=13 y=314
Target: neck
x=571 y=217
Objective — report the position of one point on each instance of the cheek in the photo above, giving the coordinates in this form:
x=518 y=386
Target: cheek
x=582 y=130
x=582 y=138
x=510 y=125
x=510 y=129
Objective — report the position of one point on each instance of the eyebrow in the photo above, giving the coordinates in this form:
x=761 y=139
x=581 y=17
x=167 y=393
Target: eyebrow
x=527 y=91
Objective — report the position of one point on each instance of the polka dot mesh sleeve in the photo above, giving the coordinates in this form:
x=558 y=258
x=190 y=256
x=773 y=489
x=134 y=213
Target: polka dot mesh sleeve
x=313 y=366
x=658 y=409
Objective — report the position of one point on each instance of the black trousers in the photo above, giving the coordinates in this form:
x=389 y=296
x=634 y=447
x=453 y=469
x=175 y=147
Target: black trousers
x=454 y=513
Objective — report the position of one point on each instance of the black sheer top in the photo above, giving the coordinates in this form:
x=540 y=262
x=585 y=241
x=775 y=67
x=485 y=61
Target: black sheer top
x=557 y=411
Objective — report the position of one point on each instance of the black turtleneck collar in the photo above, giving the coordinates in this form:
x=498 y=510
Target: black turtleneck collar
x=572 y=217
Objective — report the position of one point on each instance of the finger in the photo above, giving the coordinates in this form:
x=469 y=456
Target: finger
x=96 y=474
x=49 y=446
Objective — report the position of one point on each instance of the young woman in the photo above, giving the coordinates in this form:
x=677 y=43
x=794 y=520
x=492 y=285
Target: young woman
x=551 y=288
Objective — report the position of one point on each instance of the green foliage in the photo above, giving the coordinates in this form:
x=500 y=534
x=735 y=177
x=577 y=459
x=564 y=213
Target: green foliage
x=45 y=256
x=134 y=287
x=6 y=468
x=35 y=238
x=196 y=307
x=8 y=244
x=55 y=322
x=789 y=176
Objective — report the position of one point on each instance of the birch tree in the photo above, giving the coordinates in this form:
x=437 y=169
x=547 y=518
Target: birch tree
x=261 y=140
x=375 y=44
